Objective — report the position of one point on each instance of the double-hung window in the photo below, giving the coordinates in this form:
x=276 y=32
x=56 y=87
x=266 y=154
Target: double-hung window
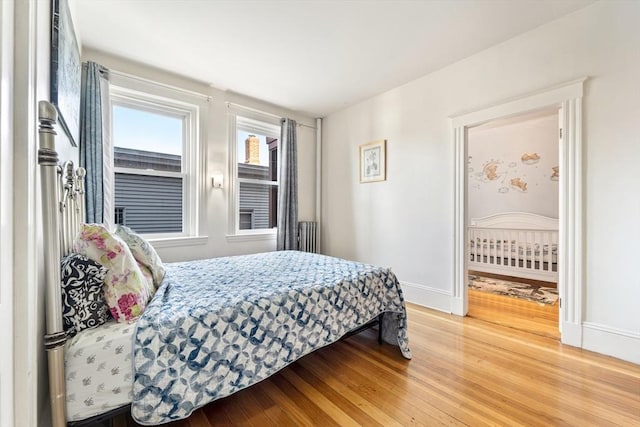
x=155 y=144
x=254 y=169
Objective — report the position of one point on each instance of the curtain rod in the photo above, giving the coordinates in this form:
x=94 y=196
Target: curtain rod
x=299 y=124
x=255 y=110
x=306 y=126
x=164 y=85
x=208 y=98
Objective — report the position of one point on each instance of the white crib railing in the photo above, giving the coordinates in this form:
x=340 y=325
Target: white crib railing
x=527 y=253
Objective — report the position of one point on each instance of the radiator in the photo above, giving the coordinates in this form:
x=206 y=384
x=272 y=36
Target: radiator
x=307 y=236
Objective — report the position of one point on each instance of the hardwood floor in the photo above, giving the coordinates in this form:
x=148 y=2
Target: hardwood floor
x=515 y=313
x=464 y=372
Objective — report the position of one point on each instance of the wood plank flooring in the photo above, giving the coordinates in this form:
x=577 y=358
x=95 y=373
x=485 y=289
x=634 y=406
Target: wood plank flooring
x=464 y=372
x=516 y=313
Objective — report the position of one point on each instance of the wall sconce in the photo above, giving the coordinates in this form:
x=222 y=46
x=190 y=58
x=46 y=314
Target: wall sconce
x=217 y=180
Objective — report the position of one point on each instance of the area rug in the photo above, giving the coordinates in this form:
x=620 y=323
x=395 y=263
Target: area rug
x=541 y=295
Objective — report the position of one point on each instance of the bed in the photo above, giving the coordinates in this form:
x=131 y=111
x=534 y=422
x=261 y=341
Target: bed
x=212 y=328
x=517 y=244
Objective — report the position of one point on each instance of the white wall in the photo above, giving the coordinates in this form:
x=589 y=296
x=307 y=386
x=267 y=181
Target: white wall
x=495 y=159
x=215 y=203
x=31 y=83
x=6 y=214
x=407 y=221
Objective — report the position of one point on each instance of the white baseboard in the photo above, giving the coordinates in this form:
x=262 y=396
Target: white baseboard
x=571 y=334
x=614 y=342
x=458 y=307
x=426 y=296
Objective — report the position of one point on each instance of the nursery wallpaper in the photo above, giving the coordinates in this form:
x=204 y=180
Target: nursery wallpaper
x=514 y=167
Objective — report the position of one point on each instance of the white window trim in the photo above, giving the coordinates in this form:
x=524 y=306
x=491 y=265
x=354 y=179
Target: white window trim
x=258 y=181
x=255 y=121
x=149 y=172
x=172 y=242
x=189 y=113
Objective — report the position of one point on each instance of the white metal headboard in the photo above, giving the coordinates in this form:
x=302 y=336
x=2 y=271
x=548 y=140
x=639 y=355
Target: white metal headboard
x=71 y=187
x=62 y=195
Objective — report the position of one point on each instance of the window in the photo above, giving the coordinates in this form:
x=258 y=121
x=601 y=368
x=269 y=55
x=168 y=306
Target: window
x=246 y=219
x=119 y=216
x=255 y=174
x=155 y=168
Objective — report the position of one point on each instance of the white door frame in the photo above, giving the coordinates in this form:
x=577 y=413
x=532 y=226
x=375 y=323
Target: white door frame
x=6 y=214
x=567 y=98
x=30 y=68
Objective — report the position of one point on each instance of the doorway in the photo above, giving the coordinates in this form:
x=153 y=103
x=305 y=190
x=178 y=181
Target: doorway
x=512 y=212
x=567 y=99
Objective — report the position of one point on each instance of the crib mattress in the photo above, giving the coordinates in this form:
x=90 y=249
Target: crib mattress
x=98 y=369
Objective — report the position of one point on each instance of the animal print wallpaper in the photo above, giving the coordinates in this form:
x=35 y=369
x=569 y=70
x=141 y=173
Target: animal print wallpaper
x=514 y=167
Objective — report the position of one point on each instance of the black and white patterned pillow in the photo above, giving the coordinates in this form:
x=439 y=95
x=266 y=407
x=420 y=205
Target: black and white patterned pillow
x=83 y=304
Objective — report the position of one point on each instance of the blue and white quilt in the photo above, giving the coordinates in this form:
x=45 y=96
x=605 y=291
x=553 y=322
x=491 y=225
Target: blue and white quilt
x=219 y=325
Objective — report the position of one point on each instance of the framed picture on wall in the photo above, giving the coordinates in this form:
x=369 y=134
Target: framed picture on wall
x=373 y=161
x=65 y=70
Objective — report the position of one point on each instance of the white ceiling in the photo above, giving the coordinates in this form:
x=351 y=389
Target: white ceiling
x=314 y=57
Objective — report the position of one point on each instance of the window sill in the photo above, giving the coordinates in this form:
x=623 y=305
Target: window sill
x=172 y=242
x=250 y=237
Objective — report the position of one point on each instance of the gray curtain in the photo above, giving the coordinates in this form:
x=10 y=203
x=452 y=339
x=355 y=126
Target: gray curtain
x=91 y=139
x=288 y=188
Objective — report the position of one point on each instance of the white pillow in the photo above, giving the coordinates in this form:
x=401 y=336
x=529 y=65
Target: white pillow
x=143 y=252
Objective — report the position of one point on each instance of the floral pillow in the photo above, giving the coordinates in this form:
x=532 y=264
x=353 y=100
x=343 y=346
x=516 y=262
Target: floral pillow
x=126 y=289
x=83 y=304
x=146 y=272
x=143 y=252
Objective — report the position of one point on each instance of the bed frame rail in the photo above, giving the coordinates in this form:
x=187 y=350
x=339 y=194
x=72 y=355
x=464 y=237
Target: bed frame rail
x=55 y=336
x=62 y=197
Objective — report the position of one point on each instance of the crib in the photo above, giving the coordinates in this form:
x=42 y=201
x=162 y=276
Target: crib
x=517 y=244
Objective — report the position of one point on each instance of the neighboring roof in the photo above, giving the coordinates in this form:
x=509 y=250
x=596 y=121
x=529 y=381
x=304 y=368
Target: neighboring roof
x=140 y=159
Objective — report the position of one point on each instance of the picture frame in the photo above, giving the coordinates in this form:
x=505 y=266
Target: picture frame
x=373 y=161
x=65 y=71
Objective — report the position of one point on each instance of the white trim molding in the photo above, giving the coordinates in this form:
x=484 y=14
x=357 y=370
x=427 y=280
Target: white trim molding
x=29 y=362
x=153 y=85
x=567 y=98
x=251 y=237
x=190 y=112
x=261 y=123
x=570 y=253
x=7 y=394
x=427 y=296
x=318 y=206
x=180 y=241
x=618 y=343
